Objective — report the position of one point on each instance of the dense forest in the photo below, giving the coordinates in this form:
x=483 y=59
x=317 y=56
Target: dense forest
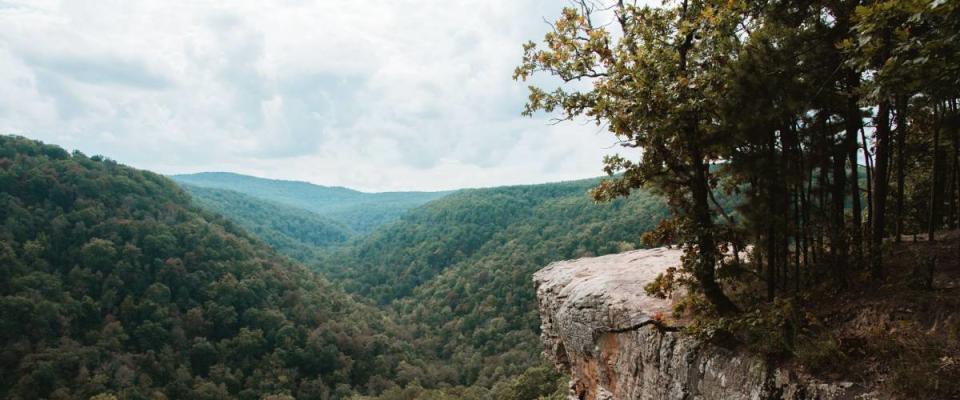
x=117 y=285
x=455 y=272
x=114 y=283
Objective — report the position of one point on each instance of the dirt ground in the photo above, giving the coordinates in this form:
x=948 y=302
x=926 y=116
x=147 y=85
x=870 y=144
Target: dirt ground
x=901 y=335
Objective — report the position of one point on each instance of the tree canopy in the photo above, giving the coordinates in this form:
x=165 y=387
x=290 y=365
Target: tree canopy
x=779 y=103
x=113 y=284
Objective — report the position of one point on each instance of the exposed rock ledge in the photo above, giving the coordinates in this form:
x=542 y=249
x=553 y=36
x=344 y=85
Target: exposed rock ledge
x=598 y=326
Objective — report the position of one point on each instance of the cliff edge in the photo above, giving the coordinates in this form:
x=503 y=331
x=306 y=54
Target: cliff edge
x=600 y=327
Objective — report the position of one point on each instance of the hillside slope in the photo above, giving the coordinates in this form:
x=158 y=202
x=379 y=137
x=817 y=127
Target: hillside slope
x=361 y=212
x=456 y=273
x=399 y=257
x=113 y=283
x=292 y=231
x=457 y=270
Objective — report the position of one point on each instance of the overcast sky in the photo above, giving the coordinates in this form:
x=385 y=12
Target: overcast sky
x=374 y=95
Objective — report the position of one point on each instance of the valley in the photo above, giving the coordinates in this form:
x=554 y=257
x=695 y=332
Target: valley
x=595 y=200
x=227 y=288
x=455 y=272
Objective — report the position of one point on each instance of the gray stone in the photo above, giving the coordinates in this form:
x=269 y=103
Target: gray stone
x=599 y=326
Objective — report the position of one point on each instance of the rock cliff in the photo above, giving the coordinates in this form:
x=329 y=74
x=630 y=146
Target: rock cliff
x=600 y=327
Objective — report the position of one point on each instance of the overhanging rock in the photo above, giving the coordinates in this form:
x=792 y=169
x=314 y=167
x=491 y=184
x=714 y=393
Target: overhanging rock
x=599 y=326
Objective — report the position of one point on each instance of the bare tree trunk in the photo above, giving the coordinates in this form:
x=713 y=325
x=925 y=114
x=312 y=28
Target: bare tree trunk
x=901 y=144
x=805 y=216
x=783 y=222
x=785 y=166
x=880 y=186
x=771 y=222
x=797 y=238
x=934 y=222
x=838 y=238
x=808 y=222
x=954 y=182
x=954 y=191
x=824 y=216
x=868 y=160
x=853 y=123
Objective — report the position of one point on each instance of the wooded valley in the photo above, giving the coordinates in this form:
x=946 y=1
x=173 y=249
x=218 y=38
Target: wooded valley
x=804 y=155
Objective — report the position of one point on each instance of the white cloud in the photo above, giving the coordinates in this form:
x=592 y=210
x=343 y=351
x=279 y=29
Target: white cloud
x=376 y=95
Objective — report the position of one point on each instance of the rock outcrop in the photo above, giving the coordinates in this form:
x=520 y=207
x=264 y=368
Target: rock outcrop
x=600 y=327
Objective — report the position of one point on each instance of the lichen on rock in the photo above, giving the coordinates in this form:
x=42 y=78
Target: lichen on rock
x=600 y=326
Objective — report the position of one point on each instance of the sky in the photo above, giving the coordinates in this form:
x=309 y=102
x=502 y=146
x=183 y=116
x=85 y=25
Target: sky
x=376 y=95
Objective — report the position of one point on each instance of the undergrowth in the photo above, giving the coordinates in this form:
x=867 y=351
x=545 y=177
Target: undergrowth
x=899 y=337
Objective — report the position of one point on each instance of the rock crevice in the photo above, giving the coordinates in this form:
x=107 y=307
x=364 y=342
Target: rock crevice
x=600 y=327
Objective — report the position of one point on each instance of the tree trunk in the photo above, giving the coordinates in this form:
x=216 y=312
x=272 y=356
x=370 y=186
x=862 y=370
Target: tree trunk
x=901 y=144
x=880 y=186
x=798 y=235
x=856 y=208
x=868 y=160
x=935 y=187
x=838 y=238
x=706 y=244
x=824 y=217
x=954 y=182
x=853 y=123
x=771 y=221
x=811 y=224
x=782 y=179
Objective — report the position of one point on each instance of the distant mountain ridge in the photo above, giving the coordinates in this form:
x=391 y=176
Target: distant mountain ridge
x=293 y=231
x=360 y=211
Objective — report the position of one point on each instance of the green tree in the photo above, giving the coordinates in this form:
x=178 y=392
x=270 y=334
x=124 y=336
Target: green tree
x=656 y=86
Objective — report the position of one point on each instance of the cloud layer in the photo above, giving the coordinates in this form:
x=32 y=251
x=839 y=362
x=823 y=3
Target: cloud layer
x=376 y=95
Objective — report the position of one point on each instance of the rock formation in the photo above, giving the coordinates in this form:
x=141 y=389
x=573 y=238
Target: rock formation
x=599 y=326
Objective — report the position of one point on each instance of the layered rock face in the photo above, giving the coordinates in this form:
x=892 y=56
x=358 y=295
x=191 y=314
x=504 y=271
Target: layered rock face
x=599 y=326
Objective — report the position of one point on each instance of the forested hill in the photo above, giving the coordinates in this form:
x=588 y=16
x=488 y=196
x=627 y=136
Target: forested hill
x=361 y=212
x=394 y=260
x=457 y=270
x=112 y=283
x=292 y=231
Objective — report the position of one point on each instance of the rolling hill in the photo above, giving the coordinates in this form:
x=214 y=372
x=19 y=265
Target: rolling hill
x=292 y=231
x=361 y=212
x=456 y=271
x=113 y=284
